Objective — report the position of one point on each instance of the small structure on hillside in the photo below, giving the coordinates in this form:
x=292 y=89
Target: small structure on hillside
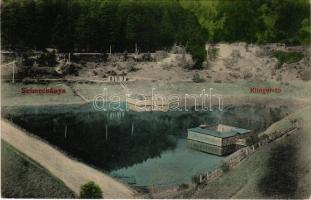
x=117 y=79
x=218 y=139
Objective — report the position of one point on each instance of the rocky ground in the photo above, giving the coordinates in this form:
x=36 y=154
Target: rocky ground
x=225 y=63
x=228 y=63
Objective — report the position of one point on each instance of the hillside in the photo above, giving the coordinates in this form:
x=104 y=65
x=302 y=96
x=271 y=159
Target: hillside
x=244 y=180
x=229 y=63
x=23 y=178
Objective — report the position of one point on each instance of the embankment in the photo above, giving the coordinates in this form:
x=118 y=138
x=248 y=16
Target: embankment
x=71 y=172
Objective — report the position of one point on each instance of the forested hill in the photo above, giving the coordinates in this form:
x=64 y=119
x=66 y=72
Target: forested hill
x=254 y=21
x=95 y=25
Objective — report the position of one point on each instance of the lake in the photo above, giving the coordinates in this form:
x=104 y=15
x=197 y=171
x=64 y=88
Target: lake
x=145 y=148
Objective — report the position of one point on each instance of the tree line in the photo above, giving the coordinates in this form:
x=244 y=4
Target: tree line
x=98 y=25
x=255 y=21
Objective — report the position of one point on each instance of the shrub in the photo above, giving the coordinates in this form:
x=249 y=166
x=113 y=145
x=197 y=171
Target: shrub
x=247 y=75
x=72 y=69
x=29 y=62
x=287 y=57
x=48 y=59
x=252 y=140
x=225 y=167
x=235 y=53
x=183 y=186
x=234 y=75
x=95 y=73
x=146 y=57
x=112 y=73
x=198 y=54
x=131 y=66
x=213 y=53
x=91 y=190
x=197 y=79
x=306 y=76
x=196 y=179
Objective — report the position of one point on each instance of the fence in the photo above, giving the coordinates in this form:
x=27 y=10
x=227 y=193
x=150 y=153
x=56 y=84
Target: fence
x=235 y=158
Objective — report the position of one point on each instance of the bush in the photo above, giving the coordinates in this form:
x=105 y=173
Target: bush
x=196 y=179
x=131 y=66
x=252 y=140
x=197 y=79
x=91 y=190
x=306 y=76
x=29 y=62
x=287 y=57
x=213 y=53
x=225 y=167
x=47 y=59
x=183 y=186
x=198 y=54
x=247 y=75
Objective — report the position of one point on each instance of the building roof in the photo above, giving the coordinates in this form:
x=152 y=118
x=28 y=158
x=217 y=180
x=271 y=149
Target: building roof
x=224 y=134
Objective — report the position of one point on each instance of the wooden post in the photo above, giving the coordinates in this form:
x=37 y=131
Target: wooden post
x=132 y=132
x=106 y=132
x=66 y=131
x=136 y=50
x=13 y=75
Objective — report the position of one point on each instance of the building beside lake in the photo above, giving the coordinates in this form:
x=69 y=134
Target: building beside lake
x=218 y=139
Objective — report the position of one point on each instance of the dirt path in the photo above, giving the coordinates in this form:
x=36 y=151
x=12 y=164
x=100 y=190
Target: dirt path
x=71 y=172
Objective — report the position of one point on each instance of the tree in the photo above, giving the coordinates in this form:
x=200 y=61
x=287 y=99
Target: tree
x=266 y=24
x=166 y=29
x=91 y=190
x=62 y=37
x=304 y=31
x=96 y=25
x=132 y=32
x=198 y=53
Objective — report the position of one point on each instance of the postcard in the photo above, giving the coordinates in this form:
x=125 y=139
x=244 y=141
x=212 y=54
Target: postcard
x=166 y=99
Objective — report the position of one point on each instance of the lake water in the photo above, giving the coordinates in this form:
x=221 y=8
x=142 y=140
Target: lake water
x=146 y=148
x=170 y=168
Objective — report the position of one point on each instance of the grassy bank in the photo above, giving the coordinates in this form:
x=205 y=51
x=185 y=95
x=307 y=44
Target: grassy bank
x=23 y=178
x=243 y=181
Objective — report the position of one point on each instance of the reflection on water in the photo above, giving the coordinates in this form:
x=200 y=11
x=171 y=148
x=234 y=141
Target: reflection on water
x=172 y=167
x=142 y=148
